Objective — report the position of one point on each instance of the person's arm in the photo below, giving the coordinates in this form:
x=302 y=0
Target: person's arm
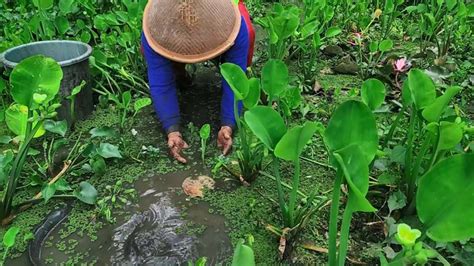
x=162 y=83
x=237 y=54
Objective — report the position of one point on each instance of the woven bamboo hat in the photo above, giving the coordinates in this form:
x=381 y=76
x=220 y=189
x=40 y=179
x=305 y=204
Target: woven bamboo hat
x=191 y=31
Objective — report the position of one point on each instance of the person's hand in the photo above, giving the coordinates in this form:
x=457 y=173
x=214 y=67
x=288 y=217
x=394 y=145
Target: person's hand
x=176 y=145
x=224 y=139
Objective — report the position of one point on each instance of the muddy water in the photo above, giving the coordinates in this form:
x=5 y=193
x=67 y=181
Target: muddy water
x=151 y=231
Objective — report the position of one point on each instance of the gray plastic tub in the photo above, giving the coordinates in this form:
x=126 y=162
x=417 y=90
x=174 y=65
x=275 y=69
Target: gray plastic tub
x=73 y=57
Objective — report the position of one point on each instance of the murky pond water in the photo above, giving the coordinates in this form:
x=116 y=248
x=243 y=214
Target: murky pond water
x=151 y=230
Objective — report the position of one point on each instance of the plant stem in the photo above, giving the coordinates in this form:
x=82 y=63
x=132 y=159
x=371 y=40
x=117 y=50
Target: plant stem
x=336 y=193
x=344 y=237
x=409 y=151
x=393 y=127
x=294 y=191
x=281 y=197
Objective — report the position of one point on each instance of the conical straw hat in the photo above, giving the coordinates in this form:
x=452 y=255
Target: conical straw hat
x=191 y=31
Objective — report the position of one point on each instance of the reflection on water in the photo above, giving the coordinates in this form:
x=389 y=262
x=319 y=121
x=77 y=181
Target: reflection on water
x=150 y=238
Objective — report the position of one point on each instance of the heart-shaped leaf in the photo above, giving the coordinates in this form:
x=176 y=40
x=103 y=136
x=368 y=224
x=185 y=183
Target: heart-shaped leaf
x=274 y=78
x=58 y=127
x=407 y=236
x=422 y=88
x=243 y=255
x=293 y=142
x=36 y=74
x=48 y=192
x=433 y=112
x=373 y=93
x=86 y=193
x=107 y=151
x=266 y=124
x=386 y=45
x=450 y=217
x=103 y=132
x=236 y=79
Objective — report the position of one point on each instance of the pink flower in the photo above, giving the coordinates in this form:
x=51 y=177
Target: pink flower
x=356 y=39
x=401 y=65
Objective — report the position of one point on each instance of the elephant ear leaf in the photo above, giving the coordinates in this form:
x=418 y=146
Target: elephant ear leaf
x=254 y=93
x=293 y=142
x=352 y=123
x=266 y=124
x=237 y=80
x=243 y=255
x=356 y=172
x=451 y=182
x=16 y=118
x=35 y=75
x=433 y=112
x=373 y=93
x=274 y=78
x=422 y=88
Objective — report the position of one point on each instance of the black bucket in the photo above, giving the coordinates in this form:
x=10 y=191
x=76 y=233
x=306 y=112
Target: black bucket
x=73 y=57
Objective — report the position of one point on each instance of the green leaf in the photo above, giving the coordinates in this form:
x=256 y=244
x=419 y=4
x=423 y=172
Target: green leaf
x=237 y=80
x=243 y=255
x=16 y=118
x=58 y=127
x=76 y=90
x=450 y=217
x=422 y=88
x=373 y=93
x=103 y=132
x=126 y=99
x=332 y=32
x=286 y=24
x=4 y=139
x=36 y=74
x=86 y=193
x=385 y=45
x=141 y=103
x=62 y=185
x=43 y=4
x=266 y=124
x=48 y=192
x=3 y=85
x=254 y=93
x=433 y=112
x=205 y=131
x=62 y=24
x=98 y=165
x=396 y=201
x=107 y=151
x=274 y=78
x=407 y=236
x=450 y=134
x=10 y=236
x=66 y=6
x=356 y=173
x=352 y=123
x=291 y=145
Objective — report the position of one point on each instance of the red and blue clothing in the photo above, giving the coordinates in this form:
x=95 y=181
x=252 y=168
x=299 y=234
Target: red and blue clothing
x=161 y=77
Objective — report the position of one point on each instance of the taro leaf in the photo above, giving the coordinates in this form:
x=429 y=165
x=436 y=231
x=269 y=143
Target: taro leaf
x=274 y=78
x=16 y=117
x=141 y=103
x=103 y=132
x=433 y=112
x=58 y=127
x=62 y=24
x=291 y=145
x=332 y=32
x=10 y=236
x=237 y=80
x=107 y=151
x=422 y=88
x=450 y=217
x=397 y=201
x=86 y=193
x=266 y=124
x=285 y=25
x=373 y=93
x=450 y=134
x=293 y=98
x=243 y=255
x=205 y=131
x=352 y=123
x=43 y=4
x=48 y=192
x=36 y=74
x=351 y=160
x=407 y=99
x=386 y=45
x=254 y=93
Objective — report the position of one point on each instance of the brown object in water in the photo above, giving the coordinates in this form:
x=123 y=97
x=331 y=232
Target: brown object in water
x=191 y=31
x=194 y=187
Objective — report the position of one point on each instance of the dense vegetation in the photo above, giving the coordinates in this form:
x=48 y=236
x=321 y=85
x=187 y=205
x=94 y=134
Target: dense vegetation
x=355 y=145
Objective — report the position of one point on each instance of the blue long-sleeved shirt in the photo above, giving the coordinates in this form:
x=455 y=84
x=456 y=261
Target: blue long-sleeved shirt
x=163 y=84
